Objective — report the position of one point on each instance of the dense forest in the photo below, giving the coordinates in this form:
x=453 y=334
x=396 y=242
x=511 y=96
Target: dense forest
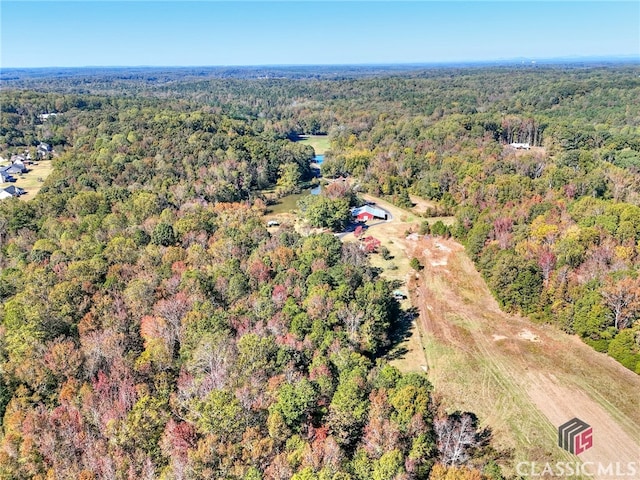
x=153 y=328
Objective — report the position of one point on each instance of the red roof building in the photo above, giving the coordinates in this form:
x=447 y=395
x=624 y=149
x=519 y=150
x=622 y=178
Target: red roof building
x=368 y=213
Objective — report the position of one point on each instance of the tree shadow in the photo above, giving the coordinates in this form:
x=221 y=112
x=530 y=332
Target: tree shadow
x=351 y=226
x=400 y=331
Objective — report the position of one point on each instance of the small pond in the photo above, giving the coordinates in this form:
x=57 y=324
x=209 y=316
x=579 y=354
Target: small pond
x=289 y=203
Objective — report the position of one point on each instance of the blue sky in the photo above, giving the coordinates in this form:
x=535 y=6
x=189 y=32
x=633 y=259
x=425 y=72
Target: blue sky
x=98 y=33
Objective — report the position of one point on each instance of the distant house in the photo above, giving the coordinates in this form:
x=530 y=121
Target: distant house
x=273 y=223
x=45 y=116
x=368 y=212
x=15 y=168
x=4 y=195
x=5 y=177
x=520 y=146
x=43 y=149
x=14 y=191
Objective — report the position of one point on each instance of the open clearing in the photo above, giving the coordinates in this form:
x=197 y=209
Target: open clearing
x=32 y=180
x=522 y=379
x=320 y=143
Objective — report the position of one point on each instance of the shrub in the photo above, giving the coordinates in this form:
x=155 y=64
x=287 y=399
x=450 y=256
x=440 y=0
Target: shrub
x=415 y=264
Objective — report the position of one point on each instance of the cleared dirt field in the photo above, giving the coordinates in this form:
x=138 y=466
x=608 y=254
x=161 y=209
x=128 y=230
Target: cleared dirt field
x=420 y=204
x=522 y=379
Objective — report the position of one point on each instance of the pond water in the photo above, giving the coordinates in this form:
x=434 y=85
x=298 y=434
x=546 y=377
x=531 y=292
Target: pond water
x=289 y=203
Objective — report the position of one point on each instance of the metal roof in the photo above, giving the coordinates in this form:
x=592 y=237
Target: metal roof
x=376 y=212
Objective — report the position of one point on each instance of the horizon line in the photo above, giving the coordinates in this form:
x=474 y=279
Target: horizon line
x=513 y=60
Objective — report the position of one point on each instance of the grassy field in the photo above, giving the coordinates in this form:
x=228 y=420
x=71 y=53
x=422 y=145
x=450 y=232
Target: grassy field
x=320 y=143
x=522 y=379
x=32 y=180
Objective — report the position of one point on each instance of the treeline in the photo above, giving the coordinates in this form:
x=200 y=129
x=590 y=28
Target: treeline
x=320 y=100
x=152 y=328
x=436 y=133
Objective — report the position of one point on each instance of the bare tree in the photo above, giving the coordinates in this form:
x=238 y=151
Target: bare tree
x=353 y=254
x=502 y=231
x=4 y=228
x=173 y=310
x=352 y=319
x=211 y=361
x=623 y=298
x=457 y=436
x=546 y=261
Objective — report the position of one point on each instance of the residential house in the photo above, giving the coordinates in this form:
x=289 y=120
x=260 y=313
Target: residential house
x=5 y=177
x=16 y=168
x=14 y=191
x=43 y=150
x=45 y=116
x=520 y=146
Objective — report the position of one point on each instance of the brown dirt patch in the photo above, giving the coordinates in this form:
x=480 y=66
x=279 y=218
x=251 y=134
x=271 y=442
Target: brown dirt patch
x=420 y=205
x=559 y=403
x=527 y=334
